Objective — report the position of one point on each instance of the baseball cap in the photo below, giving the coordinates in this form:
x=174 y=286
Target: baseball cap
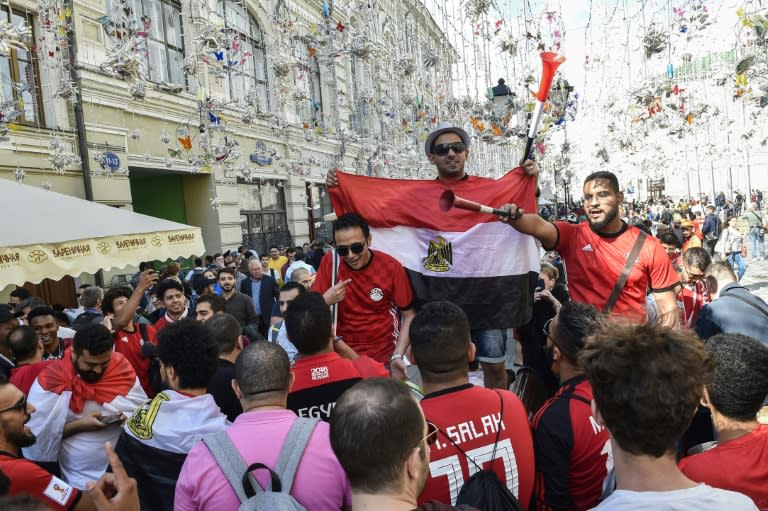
x=6 y=314
x=444 y=127
x=686 y=224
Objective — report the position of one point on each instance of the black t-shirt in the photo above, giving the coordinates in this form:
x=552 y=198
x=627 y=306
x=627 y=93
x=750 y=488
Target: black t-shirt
x=220 y=387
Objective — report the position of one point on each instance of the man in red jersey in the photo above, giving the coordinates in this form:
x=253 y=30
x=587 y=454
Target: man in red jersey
x=573 y=452
x=740 y=460
x=120 y=306
x=28 y=350
x=322 y=375
x=372 y=292
x=596 y=252
x=468 y=417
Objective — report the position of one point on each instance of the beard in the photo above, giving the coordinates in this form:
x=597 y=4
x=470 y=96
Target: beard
x=20 y=438
x=610 y=215
x=89 y=376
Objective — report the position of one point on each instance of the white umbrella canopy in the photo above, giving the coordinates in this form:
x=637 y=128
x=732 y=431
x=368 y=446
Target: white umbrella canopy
x=50 y=235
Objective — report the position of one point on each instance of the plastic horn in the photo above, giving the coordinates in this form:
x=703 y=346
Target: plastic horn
x=549 y=61
x=449 y=200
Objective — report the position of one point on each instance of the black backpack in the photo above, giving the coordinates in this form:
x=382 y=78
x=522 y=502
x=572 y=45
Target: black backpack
x=483 y=490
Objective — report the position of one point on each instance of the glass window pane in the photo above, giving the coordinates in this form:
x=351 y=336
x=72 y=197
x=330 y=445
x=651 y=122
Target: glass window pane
x=154 y=9
x=26 y=76
x=158 y=69
x=172 y=17
x=260 y=64
x=177 y=73
x=5 y=78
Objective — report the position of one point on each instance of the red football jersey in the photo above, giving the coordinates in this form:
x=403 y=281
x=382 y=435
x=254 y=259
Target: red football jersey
x=129 y=344
x=24 y=376
x=573 y=452
x=740 y=465
x=321 y=379
x=470 y=416
x=691 y=299
x=369 y=320
x=27 y=478
x=595 y=262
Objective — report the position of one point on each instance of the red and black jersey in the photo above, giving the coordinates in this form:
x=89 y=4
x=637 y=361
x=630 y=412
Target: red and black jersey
x=28 y=478
x=572 y=451
x=129 y=345
x=471 y=417
x=369 y=320
x=595 y=262
x=321 y=379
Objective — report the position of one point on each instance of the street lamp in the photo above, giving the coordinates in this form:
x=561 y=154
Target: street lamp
x=503 y=98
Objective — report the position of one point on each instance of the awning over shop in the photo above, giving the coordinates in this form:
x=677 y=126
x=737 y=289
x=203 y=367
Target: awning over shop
x=50 y=235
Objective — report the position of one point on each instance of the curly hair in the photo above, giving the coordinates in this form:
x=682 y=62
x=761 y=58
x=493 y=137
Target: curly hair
x=189 y=347
x=741 y=380
x=107 y=307
x=647 y=382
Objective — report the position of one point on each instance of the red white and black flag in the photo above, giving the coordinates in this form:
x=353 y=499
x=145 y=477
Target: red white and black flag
x=469 y=258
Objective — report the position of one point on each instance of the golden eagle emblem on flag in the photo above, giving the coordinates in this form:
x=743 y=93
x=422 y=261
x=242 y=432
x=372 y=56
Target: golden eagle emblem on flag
x=439 y=255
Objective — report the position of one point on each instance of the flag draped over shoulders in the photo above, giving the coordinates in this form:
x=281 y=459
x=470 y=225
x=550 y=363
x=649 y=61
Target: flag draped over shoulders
x=469 y=258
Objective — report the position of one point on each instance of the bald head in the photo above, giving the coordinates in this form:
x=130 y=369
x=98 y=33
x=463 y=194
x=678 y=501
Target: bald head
x=263 y=371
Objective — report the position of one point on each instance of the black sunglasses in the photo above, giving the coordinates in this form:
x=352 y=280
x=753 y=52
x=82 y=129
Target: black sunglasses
x=20 y=406
x=356 y=248
x=442 y=149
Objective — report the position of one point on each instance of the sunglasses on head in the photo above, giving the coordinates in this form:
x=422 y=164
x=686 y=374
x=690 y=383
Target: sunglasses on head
x=442 y=149
x=356 y=248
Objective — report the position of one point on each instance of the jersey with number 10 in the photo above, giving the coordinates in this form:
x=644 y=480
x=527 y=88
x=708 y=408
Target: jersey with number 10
x=470 y=416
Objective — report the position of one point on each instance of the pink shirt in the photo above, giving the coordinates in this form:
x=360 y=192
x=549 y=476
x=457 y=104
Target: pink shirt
x=320 y=483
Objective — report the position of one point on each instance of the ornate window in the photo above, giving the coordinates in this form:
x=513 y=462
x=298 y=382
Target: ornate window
x=309 y=107
x=246 y=62
x=165 y=42
x=19 y=75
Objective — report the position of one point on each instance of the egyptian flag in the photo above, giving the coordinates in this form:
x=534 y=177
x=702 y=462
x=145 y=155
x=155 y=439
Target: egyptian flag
x=59 y=396
x=469 y=258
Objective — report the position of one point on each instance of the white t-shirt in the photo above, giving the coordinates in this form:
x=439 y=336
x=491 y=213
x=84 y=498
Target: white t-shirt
x=698 y=498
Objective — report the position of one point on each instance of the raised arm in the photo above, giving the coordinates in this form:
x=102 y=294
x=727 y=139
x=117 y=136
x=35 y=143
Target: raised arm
x=530 y=223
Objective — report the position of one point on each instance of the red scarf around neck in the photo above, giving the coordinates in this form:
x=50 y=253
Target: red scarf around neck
x=60 y=376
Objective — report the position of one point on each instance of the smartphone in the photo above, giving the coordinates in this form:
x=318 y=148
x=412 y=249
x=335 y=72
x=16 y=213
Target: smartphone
x=111 y=419
x=539 y=285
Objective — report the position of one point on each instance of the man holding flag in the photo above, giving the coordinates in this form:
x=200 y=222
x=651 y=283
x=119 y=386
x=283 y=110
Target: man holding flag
x=372 y=293
x=440 y=250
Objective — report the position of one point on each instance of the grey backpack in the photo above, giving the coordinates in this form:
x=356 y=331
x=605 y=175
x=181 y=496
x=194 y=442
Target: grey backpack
x=252 y=497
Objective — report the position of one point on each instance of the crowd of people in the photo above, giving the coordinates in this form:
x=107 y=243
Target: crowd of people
x=315 y=377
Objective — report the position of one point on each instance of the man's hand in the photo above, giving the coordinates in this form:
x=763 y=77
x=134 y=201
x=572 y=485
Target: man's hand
x=147 y=279
x=330 y=179
x=530 y=168
x=115 y=491
x=88 y=422
x=398 y=370
x=336 y=293
x=513 y=214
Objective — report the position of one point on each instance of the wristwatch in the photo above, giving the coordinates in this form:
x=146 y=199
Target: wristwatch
x=395 y=356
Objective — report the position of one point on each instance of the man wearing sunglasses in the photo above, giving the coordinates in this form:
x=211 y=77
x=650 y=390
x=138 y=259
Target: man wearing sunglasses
x=372 y=291
x=28 y=478
x=447 y=148
x=572 y=453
